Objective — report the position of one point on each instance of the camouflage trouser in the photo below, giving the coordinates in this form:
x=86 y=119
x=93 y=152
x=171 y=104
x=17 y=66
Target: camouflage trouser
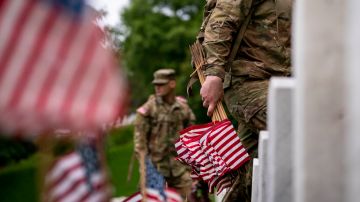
x=181 y=183
x=246 y=101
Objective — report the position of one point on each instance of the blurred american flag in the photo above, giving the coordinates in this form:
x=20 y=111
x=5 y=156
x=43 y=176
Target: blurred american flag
x=54 y=72
x=78 y=176
x=155 y=188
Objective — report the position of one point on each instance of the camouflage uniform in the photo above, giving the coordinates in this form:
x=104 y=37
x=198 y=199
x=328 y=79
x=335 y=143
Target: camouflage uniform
x=264 y=52
x=156 y=129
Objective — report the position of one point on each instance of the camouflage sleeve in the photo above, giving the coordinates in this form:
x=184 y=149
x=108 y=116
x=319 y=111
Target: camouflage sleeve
x=220 y=31
x=142 y=129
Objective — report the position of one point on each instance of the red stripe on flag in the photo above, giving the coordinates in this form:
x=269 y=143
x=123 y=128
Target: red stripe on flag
x=72 y=90
x=64 y=175
x=27 y=70
x=2 y=2
x=70 y=189
x=59 y=79
x=66 y=42
x=98 y=188
x=14 y=39
x=96 y=95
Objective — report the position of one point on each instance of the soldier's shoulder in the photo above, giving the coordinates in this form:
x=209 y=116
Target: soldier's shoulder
x=145 y=109
x=183 y=101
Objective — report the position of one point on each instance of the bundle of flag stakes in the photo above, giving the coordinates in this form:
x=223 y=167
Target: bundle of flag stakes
x=213 y=150
x=155 y=190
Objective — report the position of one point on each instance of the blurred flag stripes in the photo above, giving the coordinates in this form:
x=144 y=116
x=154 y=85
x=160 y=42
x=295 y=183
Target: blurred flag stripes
x=212 y=150
x=54 y=71
x=153 y=195
x=155 y=187
x=77 y=176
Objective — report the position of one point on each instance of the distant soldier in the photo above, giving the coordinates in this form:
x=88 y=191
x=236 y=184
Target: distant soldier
x=255 y=35
x=157 y=124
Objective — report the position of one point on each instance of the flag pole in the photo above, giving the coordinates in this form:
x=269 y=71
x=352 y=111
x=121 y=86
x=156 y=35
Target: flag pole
x=131 y=167
x=142 y=175
x=198 y=56
x=219 y=114
x=45 y=144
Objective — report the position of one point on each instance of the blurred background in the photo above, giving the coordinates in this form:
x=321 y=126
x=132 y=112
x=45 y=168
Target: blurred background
x=146 y=35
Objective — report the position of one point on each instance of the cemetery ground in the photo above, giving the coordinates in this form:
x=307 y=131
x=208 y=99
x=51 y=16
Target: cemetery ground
x=18 y=182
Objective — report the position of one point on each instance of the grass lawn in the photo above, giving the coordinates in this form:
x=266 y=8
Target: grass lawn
x=18 y=182
x=118 y=160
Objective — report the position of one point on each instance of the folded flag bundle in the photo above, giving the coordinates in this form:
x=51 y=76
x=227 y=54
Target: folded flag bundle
x=212 y=150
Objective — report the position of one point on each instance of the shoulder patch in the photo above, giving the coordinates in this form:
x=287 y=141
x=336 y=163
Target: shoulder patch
x=143 y=111
x=181 y=99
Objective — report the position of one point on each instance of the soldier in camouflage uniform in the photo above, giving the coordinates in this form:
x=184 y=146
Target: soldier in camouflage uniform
x=263 y=52
x=158 y=122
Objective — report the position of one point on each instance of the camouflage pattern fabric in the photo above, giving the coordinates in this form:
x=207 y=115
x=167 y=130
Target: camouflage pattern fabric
x=264 y=52
x=269 y=28
x=156 y=129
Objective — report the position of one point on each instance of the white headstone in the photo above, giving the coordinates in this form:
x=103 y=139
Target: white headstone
x=255 y=181
x=352 y=96
x=263 y=165
x=319 y=107
x=280 y=148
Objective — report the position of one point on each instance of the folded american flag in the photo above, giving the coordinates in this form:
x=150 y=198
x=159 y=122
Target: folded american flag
x=54 y=71
x=78 y=176
x=155 y=188
x=212 y=150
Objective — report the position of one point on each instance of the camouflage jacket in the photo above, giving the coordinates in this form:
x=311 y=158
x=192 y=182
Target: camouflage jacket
x=156 y=130
x=265 y=46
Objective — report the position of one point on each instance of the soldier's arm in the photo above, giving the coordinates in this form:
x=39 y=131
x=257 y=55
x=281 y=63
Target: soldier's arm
x=220 y=31
x=142 y=129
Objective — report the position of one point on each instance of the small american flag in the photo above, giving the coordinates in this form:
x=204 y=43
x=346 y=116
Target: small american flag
x=212 y=150
x=153 y=195
x=155 y=187
x=77 y=176
x=54 y=71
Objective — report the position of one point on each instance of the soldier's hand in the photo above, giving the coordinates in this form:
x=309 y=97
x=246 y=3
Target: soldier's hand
x=211 y=93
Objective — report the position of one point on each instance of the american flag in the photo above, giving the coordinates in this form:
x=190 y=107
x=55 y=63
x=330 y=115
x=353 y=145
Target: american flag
x=152 y=195
x=54 y=71
x=155 y=188
x=77 y=176
x=213 y=150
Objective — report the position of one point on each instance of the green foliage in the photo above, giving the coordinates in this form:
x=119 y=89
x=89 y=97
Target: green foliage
x=18 y=182
x=12 y=151
x=118 y=160
x=119 y=153
x=157 y=34
x=120 y=136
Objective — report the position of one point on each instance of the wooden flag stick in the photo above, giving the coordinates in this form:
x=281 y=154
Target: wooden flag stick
x=142 y=176
x=198 y=56
x=45 y=143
